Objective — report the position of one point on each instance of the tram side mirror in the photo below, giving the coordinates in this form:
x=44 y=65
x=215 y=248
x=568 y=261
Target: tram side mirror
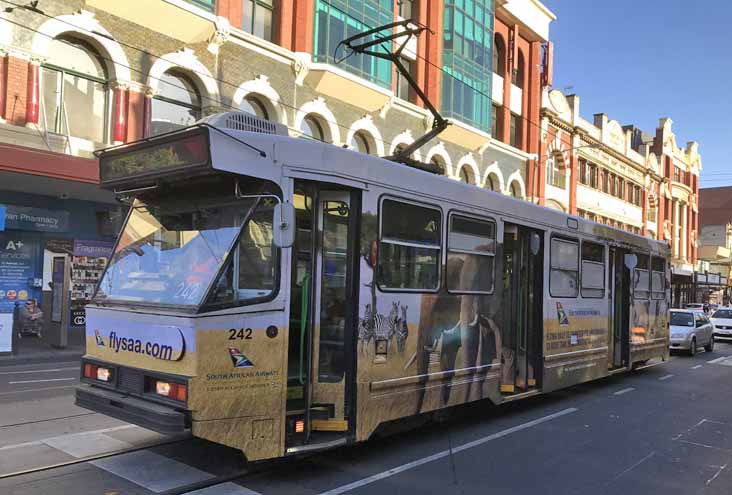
x=284 y=225
x=631 y=261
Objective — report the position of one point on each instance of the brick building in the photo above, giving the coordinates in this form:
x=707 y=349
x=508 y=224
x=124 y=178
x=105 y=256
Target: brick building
x=79 y=75
x=623 y=177
x=715 y=245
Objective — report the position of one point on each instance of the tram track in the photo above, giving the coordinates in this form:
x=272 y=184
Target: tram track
x=46 y=420
x=82 y=460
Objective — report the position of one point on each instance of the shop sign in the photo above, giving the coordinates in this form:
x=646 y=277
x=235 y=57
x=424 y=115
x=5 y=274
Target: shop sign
x=16 y=269
x=36 y=219
x=93 y=249
x=78 y=317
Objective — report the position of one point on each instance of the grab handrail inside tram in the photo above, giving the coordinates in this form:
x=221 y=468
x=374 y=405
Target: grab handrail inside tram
x=303 y=321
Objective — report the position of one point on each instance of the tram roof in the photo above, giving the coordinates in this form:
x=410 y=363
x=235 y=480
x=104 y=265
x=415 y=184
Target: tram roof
x=297 y=157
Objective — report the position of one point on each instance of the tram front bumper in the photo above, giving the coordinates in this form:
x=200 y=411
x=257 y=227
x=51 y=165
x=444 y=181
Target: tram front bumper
x=157 y=417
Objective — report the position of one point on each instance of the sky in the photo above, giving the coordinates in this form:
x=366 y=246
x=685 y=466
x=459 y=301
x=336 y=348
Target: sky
x=639 y=60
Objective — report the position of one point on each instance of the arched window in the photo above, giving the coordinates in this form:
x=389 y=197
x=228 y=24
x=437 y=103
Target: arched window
x=360 y=142
x=438 y=162
x=254 y=106
x=499 y=55
x=514 y=190
x=311 y=127
x=176 y=104
x=74 y=90
x=466 y=175
x=492 y=183
x=517 y=78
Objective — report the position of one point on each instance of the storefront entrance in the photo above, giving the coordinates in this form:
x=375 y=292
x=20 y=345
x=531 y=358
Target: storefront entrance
x=51 y=256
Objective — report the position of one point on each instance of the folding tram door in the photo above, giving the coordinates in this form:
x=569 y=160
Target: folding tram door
x=619 y=310
x=522 y=333
x=321 y=362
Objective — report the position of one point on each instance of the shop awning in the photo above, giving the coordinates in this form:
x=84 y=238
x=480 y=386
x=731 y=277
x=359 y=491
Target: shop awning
x=45 y=163
x=57 y=188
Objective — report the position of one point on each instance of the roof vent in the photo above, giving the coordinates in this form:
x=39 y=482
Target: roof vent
x=242 y=121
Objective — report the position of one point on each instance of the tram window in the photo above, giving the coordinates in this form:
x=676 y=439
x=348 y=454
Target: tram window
x=641 y=278
x=409 y=247
x=564 y=271
x=658 y=278
x=254 y=263
x=593 y=270
x=471 y=247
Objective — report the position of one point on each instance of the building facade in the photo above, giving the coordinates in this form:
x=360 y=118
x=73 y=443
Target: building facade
x=522 y=68
x=623 y=177
x=80 y=75
x=715 y=245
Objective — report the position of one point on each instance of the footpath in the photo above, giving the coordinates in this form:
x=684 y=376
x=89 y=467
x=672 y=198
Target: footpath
x=32 y=351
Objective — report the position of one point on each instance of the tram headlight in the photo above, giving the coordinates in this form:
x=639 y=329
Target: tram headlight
x=162 y=388
x=103 y=374
x=171 y=390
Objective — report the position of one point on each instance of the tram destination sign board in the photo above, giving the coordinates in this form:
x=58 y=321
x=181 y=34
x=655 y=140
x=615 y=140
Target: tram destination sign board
x=177 y=153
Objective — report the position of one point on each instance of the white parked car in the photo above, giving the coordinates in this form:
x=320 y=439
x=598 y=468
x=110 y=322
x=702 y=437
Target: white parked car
x=690 y=329
x=722 y=321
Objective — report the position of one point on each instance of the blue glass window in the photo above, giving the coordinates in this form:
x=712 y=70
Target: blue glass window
x=209 y=5
x=466 y=61
x=336 y=20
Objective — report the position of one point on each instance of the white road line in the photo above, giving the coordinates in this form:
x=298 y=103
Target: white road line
x=696 y=367
x=445 y=453
x=719 y=471
x=624 y=391
x=36 y=390
x=41 y=381
x=75 y=368
x=718 y=360
x=666 y=377
x=626 y=471
x=43 y=440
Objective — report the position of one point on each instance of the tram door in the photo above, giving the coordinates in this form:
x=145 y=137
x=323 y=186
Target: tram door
x=619 y=301
x=523 y=303
x=322 y=309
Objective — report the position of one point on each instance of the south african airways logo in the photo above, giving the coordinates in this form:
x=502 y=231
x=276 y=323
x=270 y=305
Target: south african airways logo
x=98 y=336
x=562 y=315
x=238 y=359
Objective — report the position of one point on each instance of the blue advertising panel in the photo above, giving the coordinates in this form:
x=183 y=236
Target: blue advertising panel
x=36 y=219
x=17 y=267
x=3 y=209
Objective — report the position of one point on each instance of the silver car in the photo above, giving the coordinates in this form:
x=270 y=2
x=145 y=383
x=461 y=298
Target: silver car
x=722 y=321
x=690 y=329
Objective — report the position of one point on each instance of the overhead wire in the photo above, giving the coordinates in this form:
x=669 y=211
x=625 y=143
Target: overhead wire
x=199 y=73
x=220 y=101
x=210 y=76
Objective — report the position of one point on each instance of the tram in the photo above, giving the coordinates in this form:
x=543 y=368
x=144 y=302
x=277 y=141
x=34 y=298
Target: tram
x=279 y=295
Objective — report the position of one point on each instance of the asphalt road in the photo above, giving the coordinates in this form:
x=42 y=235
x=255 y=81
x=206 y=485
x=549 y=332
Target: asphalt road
x=663 y=429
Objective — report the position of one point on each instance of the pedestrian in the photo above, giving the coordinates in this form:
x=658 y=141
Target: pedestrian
x=31 y=318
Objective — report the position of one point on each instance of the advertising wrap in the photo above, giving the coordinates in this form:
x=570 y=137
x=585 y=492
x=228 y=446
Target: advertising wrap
x=136 y=342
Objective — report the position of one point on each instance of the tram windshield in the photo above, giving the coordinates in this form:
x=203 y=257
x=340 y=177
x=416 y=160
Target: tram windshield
x=173 y=245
